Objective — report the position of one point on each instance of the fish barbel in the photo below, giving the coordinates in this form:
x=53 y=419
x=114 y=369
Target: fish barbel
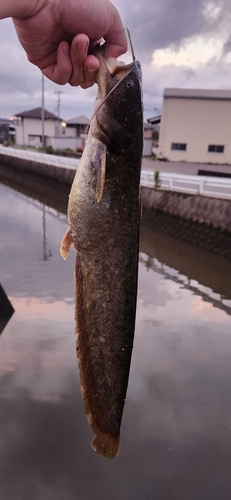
x=104 y=218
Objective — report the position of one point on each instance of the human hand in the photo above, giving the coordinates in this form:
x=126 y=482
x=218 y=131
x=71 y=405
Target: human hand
x=58 y=36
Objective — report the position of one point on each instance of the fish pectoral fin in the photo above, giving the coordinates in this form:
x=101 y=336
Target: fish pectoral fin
x=66 y=244
x=99 y=162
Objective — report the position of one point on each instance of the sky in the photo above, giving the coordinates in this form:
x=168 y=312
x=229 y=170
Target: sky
x=179 y=43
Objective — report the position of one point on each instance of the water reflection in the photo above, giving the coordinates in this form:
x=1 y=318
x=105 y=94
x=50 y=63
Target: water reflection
x=176 y=430
x=185 y=282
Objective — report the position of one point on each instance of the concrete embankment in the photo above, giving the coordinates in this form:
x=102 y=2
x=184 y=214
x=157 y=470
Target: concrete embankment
x=211 y=211
x=199 y=220
x=45 y=170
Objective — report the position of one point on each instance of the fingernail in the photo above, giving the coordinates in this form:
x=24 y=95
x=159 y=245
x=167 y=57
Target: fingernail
x=91 y=70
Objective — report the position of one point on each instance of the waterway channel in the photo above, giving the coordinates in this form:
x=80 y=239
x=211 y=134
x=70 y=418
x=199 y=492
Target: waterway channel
x=176 y=429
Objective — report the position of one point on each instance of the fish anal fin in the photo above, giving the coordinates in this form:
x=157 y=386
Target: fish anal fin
x=104 y=443
x=99 y=162
x=66 y=244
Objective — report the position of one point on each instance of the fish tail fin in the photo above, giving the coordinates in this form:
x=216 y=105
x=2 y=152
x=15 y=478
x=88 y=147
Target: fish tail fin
x=66 y=244
x=106 y=444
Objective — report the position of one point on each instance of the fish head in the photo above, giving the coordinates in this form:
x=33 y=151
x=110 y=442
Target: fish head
x=118 y=114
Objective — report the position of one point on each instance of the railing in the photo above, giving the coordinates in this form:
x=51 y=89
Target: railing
x=57 y=161
x=205 y=293
x=215 y=187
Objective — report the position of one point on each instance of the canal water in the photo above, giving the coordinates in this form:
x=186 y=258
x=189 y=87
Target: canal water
x=176 y=428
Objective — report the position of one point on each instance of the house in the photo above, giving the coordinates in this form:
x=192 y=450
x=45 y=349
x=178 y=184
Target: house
x=7 y=131
x=147 y=144
x=155 y=123
x=73 y=134
x=77 y=126
x=29 y=127
x=196 y=126
x=155 y=120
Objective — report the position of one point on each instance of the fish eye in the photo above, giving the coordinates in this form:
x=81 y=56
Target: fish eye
x=129 y=84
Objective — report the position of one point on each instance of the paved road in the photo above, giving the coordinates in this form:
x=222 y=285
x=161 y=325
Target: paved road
x=182 y=167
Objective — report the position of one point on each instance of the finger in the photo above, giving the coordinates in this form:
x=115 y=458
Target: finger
x=115 y=38
x=84 y=66
x=60 y=71
x=79 y=50
x=91 y=66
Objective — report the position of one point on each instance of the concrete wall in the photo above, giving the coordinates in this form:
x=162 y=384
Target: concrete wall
x=147 y=147
x=61 y=174
x=212 y=211
x=65 y=142
x=70 y=132
x=198 y=123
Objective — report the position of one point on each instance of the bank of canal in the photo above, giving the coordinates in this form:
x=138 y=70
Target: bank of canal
x=200 y=220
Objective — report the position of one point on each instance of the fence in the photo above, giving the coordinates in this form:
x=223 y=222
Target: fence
x=57 y=161
x=215 y=187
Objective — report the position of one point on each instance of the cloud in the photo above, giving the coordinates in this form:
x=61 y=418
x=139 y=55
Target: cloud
x=227 y=46
x=156 y=25
x=179 y=42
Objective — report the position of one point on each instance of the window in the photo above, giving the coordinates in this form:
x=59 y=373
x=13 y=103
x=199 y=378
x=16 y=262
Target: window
x=215 y=149
x=177 y=146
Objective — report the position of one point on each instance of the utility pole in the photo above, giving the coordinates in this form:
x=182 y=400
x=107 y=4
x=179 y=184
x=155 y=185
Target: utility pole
x=42 y=112
x=59 y=92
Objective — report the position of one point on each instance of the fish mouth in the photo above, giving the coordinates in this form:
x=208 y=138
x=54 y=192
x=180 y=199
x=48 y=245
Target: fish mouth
x=109 y=68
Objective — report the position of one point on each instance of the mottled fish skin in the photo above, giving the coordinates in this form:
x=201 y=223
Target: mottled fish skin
x=104 y=217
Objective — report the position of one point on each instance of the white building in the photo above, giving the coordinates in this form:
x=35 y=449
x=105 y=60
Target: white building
x=196 y=126
x=29 y=127
x=76 y=127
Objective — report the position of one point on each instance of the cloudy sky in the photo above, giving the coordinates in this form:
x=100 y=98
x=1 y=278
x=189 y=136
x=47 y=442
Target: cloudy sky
x=180 y=43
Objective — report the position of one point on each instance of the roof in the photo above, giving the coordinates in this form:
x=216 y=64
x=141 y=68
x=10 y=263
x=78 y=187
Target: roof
x=155 y=120
x=197 y=94
x=37 y=113
x=79 y=120
x=5 y=120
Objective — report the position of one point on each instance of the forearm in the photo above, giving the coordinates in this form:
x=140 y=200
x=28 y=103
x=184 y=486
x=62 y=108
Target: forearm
x=19 y=8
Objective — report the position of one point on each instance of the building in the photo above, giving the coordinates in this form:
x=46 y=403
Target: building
x=147 y=138
x=29 y=127
x=7 y=131
x=73 y=134
x=196 y=126
x=77 y=126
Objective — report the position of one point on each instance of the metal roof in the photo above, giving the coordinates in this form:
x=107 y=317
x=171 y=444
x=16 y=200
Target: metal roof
x=155 y=120
x=37 y=113
x=197 y=94
x=80 y=120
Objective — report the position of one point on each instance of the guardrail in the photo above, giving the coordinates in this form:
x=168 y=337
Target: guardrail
x=215 y=187
x=57 y=161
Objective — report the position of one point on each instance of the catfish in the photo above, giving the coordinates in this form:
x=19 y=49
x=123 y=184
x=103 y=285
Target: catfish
x=104 y=218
